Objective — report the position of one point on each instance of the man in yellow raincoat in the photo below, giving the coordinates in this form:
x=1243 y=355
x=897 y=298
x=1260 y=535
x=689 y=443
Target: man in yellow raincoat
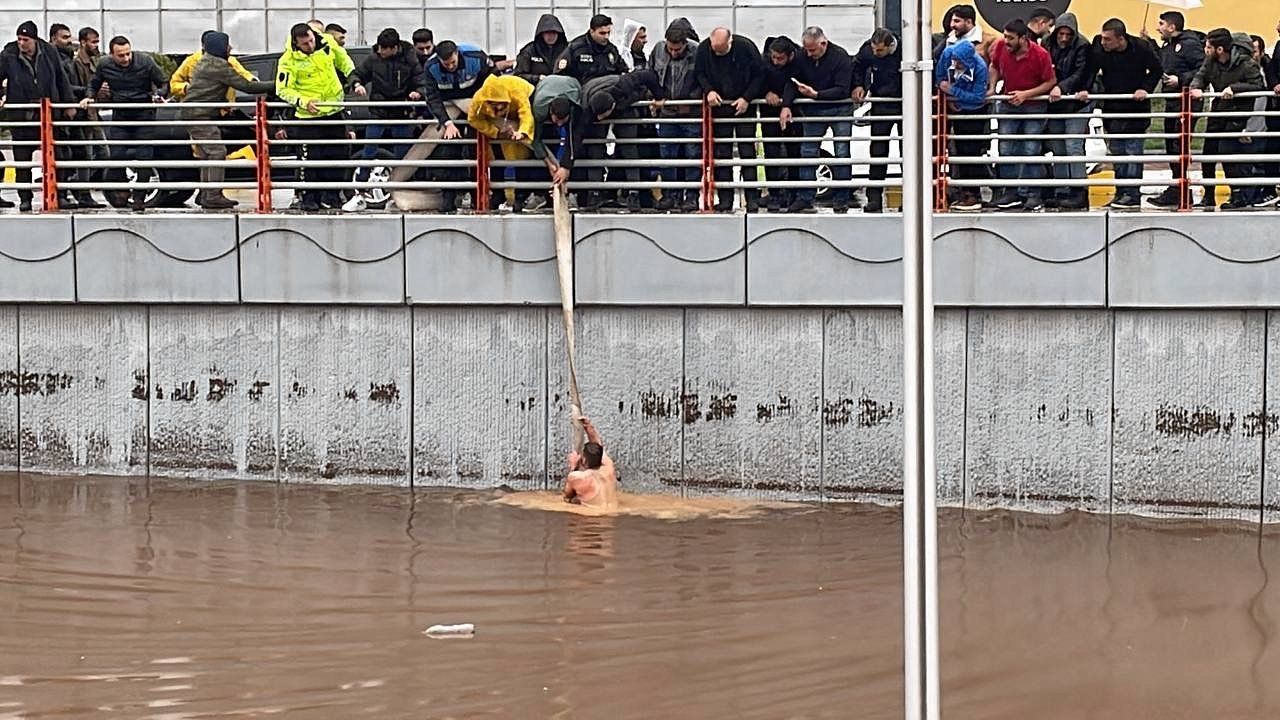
x=501 y=110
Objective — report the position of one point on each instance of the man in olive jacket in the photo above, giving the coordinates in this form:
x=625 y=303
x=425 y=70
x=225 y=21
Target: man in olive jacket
x=210 y=80
x=1231 y=70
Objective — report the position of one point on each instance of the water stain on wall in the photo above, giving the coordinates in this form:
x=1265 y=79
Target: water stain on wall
x=722 y=407
x=13 y=382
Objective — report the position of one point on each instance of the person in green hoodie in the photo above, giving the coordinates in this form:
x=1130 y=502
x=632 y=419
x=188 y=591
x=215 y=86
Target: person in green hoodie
x=310 y=76
x=1231 y=70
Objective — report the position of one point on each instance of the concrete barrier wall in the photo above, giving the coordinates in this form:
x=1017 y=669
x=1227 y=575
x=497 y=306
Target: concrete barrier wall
x=756 y=356
x=1144 y=411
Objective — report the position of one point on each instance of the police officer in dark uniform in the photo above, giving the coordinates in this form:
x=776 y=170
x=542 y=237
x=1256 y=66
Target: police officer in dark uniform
x=592 y=55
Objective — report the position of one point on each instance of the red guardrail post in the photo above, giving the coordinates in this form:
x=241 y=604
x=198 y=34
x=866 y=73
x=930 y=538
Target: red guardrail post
x=262 y=147
x=1184 y=156
x=708 y=159
x=48 y=158
x=482 y=173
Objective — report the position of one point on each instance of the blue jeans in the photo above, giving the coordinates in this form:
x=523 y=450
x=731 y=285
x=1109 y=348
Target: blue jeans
x=812 y=150
x=1013 y=147
x=1127 y=170
x=1068 y=147
x=676 y=150
x=374 y=131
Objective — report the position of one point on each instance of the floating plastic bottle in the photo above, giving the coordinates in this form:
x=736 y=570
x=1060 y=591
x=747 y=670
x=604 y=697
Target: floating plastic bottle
x=461 y=630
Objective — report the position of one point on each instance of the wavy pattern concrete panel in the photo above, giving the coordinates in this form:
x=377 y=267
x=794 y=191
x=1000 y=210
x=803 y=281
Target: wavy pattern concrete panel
x=1039 y=394
x=1185 y=260
x=214 y=391
x=481 y=260
x=1033 y=260
x=824 y=260
x=753 y=402
x=37 y=262
x=1189 y=412
x=660 y=260
x=85 y=407
x=630 y=365
x=480 y=400
x=346 y=393
x=357 y=259
x=157 y=258
x=10 y=387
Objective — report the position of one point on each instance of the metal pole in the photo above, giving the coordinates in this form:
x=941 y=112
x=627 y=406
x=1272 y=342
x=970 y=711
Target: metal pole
x=919 y=508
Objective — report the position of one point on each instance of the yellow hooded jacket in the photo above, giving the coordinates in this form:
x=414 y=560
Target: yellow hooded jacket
x=508 y=89
x=301 y=78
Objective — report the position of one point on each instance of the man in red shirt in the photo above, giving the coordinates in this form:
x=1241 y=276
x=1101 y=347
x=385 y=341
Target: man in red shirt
x=1027 y=72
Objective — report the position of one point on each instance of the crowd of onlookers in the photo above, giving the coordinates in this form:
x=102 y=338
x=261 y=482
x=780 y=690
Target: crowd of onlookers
x=561 y=97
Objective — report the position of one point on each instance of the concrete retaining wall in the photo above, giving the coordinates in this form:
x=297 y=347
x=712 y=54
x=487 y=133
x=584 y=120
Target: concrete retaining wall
x=1046 y=409
x=1083 y=361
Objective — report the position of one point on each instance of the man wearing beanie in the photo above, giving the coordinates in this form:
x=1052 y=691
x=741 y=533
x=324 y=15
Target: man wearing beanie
x=212 y=79
x=609 y=98
x=182 y=76
x=32 y=71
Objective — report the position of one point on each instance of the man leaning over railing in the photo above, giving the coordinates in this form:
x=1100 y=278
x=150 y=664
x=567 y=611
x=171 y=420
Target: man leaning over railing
x=781 y=66
x=1027 y=74
x=1127 y=65
x=309 y=76
x=877 y=73
x=731 y=73
x=826 y=77
x=32 y=72
x=501 y=111
x=134 y=78
x=961 y=76
x=1068 y=103
x=1231 y=70
x=606 y=99
x=557 y=106
x=210 y=80
x=679 y=126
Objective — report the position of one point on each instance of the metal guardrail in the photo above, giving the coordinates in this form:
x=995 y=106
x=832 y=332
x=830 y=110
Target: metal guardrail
x=276 y=150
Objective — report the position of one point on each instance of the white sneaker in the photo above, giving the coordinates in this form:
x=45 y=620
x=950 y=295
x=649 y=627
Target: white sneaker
x=355 y=204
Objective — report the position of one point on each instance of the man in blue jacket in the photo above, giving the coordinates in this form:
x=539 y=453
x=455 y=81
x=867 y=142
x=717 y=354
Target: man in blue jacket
x=961 y=75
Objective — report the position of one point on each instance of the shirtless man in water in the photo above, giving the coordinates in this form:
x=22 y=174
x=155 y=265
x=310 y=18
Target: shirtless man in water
x=592 y=480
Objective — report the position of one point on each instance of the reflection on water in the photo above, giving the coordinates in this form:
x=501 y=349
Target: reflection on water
x=136 y=598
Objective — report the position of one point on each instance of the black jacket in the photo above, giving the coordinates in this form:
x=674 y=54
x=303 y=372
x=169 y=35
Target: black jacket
x=29 y=82
x=881 y=77
x=67 y=59
x=536 y=58
x=1182 y=55
x=134 y=83
x=392 y=79
x=738 y=73
x=625 y=90
x=831 y=75
x=585 y=60
x=777 y=80
x=1135 y=68
x=1073 y=65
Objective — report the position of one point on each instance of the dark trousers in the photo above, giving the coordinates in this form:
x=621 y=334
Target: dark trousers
x=770 y=130
x=24 y=153
x=134 y=142
x=1249 y=194
x=623 y=149
x=745 y=132
x=962 y=125
x=323 y=152
x=880 y=132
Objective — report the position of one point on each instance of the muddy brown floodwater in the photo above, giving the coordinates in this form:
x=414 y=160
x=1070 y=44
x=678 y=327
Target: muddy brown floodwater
x=136 y=598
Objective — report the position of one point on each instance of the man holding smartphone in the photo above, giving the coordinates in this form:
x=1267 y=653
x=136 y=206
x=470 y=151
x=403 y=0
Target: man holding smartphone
x=1181 y=55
